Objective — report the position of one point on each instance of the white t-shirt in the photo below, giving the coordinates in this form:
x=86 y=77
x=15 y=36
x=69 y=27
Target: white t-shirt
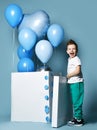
x=72 y=64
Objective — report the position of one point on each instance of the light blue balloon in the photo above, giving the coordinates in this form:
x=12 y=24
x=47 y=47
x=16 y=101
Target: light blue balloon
x=22 y=53
x=55 y=34
x=27 y=38
x=44 y=50
x=13 y=15
x=38 y=21
x=25 y=65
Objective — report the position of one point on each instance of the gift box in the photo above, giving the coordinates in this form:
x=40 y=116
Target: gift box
x=38 y=97
x=31 y=98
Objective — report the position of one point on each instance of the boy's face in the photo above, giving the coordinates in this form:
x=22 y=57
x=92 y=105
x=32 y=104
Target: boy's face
x=71 y=50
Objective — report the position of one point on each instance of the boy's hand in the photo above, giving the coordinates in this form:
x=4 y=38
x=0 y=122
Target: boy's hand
x=68 y=76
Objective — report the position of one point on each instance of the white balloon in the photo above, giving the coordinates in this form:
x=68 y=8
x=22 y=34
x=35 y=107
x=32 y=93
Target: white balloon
x=38 y=21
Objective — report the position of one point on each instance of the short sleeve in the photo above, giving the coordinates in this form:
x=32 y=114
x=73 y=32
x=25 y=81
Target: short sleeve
x=77 y=61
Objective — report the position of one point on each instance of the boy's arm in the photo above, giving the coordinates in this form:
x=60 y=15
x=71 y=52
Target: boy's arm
x=74 y=73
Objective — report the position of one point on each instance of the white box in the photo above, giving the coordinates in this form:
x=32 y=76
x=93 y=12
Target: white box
x=59 y=102
x=31 y=96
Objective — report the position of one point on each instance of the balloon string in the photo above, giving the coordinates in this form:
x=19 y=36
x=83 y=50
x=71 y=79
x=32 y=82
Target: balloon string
x=13 y=48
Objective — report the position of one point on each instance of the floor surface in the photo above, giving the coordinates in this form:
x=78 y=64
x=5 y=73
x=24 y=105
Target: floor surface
x=6 y=124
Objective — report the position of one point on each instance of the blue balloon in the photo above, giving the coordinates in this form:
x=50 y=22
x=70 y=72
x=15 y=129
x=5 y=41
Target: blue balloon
x=22 y=53
x=25 y=65
x=55 y=34
x=38 y=21
x=13 y=15
x=27 y=38
x=44 y=50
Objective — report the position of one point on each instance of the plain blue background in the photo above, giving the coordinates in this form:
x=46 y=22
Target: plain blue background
x=79 y=20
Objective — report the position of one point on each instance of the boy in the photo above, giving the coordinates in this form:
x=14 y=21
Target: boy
x=75 y=82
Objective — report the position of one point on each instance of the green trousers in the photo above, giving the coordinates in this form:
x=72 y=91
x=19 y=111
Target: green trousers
x=77 y=94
